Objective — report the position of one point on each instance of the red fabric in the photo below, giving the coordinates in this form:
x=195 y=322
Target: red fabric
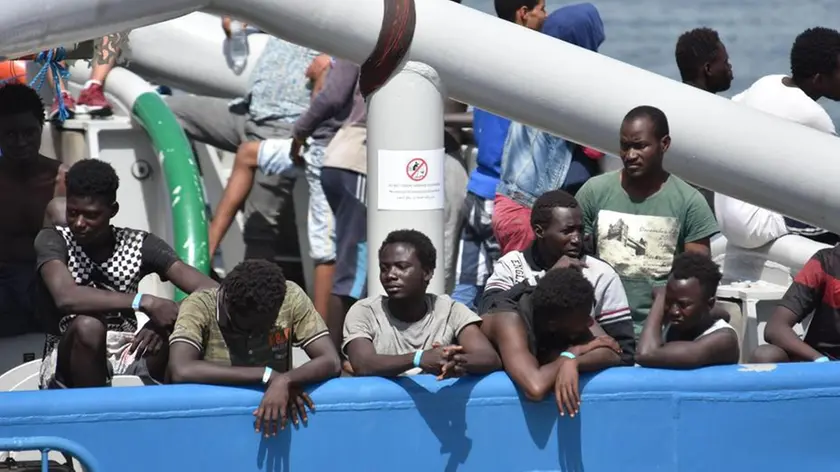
x=593 y=154
x=511 y=225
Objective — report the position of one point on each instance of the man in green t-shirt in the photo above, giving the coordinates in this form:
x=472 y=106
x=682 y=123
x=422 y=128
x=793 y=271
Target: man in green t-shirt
x=640 y=217
x=242 y=334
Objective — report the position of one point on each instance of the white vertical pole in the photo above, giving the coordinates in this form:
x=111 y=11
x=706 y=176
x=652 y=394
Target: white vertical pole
x=405 y=164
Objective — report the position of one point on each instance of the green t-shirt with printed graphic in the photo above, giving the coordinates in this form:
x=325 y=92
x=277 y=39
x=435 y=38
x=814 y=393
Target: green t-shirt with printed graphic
x=640 y=239
x=298 y=324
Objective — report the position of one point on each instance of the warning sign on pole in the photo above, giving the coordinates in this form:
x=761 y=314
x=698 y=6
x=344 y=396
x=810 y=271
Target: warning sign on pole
x=410 y=180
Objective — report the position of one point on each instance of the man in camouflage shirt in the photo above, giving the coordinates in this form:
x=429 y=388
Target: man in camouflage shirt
x=242 y=334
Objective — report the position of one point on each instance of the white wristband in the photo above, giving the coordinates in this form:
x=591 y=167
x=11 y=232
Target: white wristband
x=267 y=375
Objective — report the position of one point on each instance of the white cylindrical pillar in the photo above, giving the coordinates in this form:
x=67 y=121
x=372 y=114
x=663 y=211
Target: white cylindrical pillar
x=405 y=164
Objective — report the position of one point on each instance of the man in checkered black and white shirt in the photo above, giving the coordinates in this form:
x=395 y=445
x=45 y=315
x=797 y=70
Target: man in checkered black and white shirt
x=89 y=273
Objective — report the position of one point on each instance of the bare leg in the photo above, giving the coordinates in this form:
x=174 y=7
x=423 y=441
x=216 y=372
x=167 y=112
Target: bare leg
x=236 y=191
x=322 y=287
x=82 y=354
x=69 y=103
x=62 y=85
x=106 y=52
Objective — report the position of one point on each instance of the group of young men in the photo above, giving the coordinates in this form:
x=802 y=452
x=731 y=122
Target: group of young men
x=617 y=274
x=547 y=320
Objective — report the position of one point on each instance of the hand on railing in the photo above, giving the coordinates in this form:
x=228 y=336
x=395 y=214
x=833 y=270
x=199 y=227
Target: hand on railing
x=566 y=387
x=278 y=403
x=456 y=363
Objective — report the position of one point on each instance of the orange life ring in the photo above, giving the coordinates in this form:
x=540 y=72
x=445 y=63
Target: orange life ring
x=13 y=71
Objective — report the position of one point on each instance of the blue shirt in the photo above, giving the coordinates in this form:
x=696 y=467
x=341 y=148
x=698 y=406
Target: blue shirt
x=490 y=132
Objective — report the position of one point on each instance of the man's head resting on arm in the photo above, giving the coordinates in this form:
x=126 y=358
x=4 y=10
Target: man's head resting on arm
x=406 y=264
x=690 y=292
x=252 y=295
x=562 y=305
x=21 y=122
x=557 y=221
x=91 y=200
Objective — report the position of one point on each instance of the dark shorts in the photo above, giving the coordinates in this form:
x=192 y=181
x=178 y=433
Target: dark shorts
x=17 y=300
x=346 y=194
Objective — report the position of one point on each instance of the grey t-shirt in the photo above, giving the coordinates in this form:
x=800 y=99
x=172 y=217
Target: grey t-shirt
x=370 y=319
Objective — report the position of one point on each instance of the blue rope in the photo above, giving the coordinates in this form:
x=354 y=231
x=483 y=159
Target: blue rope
x=51 y=62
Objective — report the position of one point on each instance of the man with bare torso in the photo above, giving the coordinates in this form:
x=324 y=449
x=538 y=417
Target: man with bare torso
x=28 y=181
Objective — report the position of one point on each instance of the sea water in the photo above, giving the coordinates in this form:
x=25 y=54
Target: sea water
x=758 y=34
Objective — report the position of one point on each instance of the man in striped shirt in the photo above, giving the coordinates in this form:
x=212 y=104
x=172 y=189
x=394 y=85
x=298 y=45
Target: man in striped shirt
x=558 y=226
x=816 y=289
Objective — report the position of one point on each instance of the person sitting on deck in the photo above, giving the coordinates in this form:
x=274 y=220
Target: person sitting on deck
x=90 y=272
x=642 y=216
x=814 y=290
x=546 y=336
x=681 y=332
x=29 y=181
x=242 y=334
x=409 y=329
x=558 y=225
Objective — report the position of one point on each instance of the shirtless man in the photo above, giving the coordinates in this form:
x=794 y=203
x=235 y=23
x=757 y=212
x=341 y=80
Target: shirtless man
x=28 y=181
x=681 y=331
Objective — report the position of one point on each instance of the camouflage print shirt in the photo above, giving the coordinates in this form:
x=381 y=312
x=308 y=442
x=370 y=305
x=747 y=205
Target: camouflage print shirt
x=297 y=324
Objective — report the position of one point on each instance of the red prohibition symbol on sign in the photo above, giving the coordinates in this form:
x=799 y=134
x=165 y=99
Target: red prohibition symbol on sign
x=417 y=169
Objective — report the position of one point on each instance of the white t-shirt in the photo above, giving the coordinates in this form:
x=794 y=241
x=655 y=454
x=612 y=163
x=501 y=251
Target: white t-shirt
x=746 y=225
x=770 y=95
x=611 y=304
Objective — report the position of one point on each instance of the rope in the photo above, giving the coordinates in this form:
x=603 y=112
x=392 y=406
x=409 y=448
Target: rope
x=51 y=62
